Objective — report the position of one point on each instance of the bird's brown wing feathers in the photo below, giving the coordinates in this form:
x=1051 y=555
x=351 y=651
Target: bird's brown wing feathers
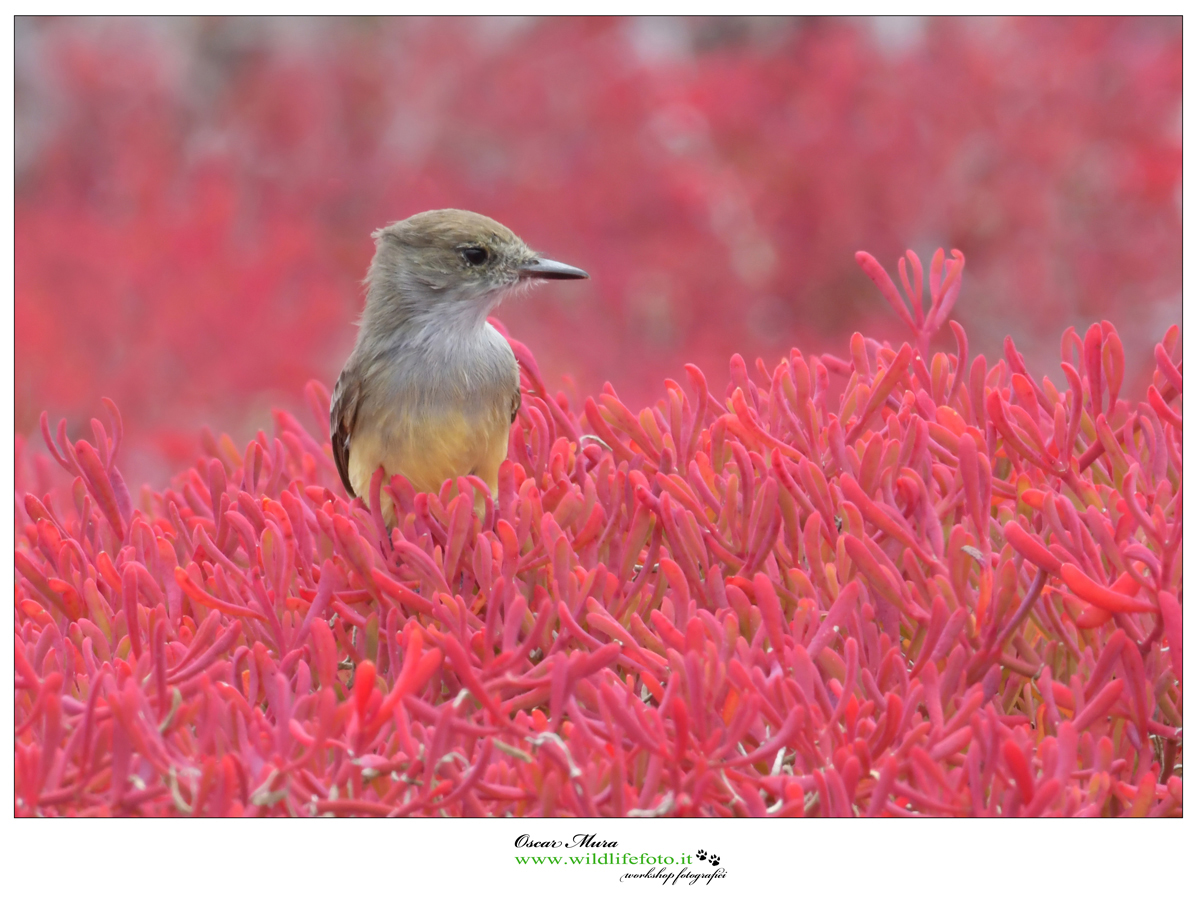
x=516 y=405
x=343 y=410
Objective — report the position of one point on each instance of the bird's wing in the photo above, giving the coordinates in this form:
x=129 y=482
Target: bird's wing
x=516 y=405
x=343 y=410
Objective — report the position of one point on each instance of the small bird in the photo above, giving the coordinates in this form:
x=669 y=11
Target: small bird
x=431 y=388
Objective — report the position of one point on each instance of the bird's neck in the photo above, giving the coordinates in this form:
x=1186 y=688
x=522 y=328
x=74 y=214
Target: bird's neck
x=448 y=324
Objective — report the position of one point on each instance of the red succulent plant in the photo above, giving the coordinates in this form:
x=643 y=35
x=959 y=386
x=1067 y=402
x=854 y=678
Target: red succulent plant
x=893 y=583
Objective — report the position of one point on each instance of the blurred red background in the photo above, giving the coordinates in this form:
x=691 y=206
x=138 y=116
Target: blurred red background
x=194 y=198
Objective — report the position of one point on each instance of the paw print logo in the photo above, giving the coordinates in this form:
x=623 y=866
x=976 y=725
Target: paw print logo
x=701 y=855
x=715 y=860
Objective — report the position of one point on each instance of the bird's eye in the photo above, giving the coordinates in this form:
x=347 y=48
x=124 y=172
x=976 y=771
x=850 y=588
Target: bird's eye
x=475 y=256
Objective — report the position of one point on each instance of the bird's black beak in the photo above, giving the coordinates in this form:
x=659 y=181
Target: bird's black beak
x=548 y=268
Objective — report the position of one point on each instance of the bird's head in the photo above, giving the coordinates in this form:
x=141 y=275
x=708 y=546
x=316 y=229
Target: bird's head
x=452 y=263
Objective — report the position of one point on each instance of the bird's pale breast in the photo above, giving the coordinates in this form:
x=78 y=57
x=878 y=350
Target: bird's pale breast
x=430 y=427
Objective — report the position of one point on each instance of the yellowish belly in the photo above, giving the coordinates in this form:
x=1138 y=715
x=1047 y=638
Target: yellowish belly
x=428 y=452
